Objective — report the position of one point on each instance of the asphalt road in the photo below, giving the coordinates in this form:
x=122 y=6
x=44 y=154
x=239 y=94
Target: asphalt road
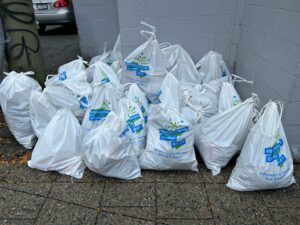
x=60 y=45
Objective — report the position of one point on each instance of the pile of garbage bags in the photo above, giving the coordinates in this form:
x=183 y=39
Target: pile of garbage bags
x=147 y=111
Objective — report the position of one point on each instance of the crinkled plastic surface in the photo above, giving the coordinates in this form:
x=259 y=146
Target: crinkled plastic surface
x=228 y=97
x=58 y=149
x=265 y=161
x=171 y=92
x=107 y=152
x=170 y=142
x=220 y=137
x=130 y=112
x=15 y=91
x=41 y=112
x=103 y=102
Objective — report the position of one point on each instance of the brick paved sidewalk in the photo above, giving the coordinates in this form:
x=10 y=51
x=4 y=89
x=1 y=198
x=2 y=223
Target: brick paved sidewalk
x=30 y=196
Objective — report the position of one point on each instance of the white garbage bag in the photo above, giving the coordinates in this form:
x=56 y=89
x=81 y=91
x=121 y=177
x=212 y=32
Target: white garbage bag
x=15 y=91
x=212 y=66
x=170 y=141
x=228 y=97
x=108 y=152
x=41 y=112
x=73 y=94
x=136 y=95
x=171 y=93
x=184 y=72
x=103 y=102
x=59 y=147
x=104 y=57
x=62 y=97
x=145 y=66
x=265 y=161
x=220 y=137
x=202 y=99
x=67 y=70
x=74 y=75
x=105 y=74
x=130 y=112
x=173 y=55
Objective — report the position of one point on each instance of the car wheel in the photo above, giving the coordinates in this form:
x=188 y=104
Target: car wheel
x=42 y=28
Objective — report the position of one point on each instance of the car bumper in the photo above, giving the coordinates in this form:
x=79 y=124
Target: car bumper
x=53 y=18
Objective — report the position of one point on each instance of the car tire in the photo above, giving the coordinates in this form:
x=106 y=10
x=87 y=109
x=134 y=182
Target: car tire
x=42 y=29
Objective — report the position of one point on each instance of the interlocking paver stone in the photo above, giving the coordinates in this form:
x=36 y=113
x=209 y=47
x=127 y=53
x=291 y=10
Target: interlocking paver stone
x=88 y=177
x=24 y=174
x=112 y=219
x=182 y=200
x=138 y=212
x=283 y=216
x=56 y=212
x=186 y=222
x=18 y=205
x=129 y=194
x=85 y=194
x=37 y=188
x=16 y=222
x=147 y=177
x=286 y=197
x=179 y=176
x=231 y=207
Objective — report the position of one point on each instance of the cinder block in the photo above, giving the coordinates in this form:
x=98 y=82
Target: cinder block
x=128 y=3
x=103 y=27
x=222 y=43
x=264 y=19
x=131 y=37
x=199 y=25
x=291 y=113
x=171 y=25
x=291 y=57
x=249 y=13
x=227 y=7
x=198 y=45
x=223 y=25
x=293 y=135
x=129 y=17
x=199 y=7
x=295 y=91
x=251 y=38
x=165 y=8
x=272 y=49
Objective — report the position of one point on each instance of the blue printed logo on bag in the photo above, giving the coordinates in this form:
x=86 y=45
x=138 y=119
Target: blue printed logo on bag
x=134 y=117
x=273 y=153
x=100 y=113
x=84 y=102
x=172 y=133
x=139 y=64
x=62 y=76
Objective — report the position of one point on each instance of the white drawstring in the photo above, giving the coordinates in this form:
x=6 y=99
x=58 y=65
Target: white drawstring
x=164 y=45
x=14 y=73
x=262 y=116
x=153 y=28
x=145 y=32
x=235 y=78
x=151 y=33
x=81 y=59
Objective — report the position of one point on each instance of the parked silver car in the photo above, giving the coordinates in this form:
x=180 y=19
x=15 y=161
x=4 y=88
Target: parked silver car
x=53 y=12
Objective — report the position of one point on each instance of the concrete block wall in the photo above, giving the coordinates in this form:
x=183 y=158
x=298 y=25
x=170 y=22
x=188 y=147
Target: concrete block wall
x=97 y=22
x=198 y=25
x=269 y=53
